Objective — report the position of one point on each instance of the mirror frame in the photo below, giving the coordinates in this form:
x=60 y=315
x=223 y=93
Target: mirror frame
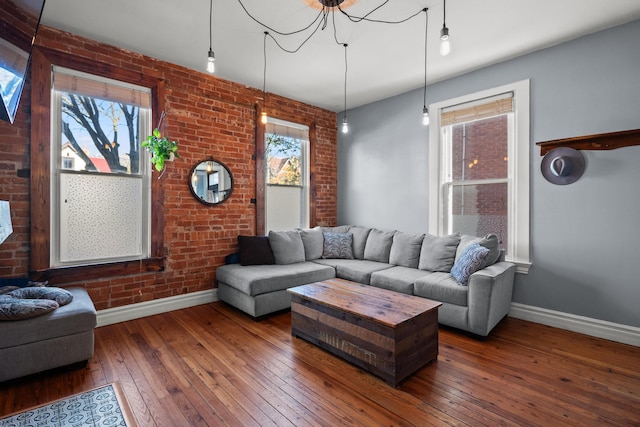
x=192 y=190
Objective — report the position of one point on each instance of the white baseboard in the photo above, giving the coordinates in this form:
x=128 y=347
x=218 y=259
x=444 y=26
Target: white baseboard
x=149 y=308
x=571 y=322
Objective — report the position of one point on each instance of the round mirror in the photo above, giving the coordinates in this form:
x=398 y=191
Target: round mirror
x=210 y=182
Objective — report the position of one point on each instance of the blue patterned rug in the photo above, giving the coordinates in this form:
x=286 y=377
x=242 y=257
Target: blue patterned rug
x=103 y=406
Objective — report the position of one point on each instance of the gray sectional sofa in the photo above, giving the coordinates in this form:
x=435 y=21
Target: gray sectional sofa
x=465 y=273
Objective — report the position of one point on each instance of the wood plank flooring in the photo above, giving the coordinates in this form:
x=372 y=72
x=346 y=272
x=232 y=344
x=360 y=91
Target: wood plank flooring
x=211 y=365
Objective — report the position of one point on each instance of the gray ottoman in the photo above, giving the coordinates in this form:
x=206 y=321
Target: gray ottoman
x=61 y=337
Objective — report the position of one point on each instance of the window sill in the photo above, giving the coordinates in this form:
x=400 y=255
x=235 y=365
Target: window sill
x=62 y=275
x=522 y=267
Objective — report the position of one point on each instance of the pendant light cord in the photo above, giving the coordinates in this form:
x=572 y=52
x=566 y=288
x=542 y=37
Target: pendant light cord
x=210 y=25
x=345 y=80
x=426 y=28
x=444 y=13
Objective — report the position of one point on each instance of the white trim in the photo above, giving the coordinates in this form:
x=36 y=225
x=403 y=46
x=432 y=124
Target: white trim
x=149 y=308
x=571 y=322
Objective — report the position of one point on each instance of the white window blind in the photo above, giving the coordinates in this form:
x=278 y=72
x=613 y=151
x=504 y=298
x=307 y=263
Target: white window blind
x=71 y=81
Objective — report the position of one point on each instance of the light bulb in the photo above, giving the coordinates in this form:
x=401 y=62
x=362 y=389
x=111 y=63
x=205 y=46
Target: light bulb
x=263 y=117
x=425 y=116
x=211 y=66
x=445 y=43
x=345 y=126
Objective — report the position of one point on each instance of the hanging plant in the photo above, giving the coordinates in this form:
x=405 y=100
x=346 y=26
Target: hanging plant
x=161 y=148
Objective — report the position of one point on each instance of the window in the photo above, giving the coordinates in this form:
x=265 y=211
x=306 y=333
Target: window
x=100 y=193
x=287 y=176
x=479 y=168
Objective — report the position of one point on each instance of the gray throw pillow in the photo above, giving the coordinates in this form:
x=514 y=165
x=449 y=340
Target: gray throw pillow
x=405 y=250
x=338 y=246
x=490 y=241
x=287 y=246
x=438 y=253
x=360 y=235
x=313 y=242
x=378 y=246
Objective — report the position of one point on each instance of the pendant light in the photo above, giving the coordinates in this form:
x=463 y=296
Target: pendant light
x=211 y=66
x=445 y=43
x=345 y=124
x=425 y=110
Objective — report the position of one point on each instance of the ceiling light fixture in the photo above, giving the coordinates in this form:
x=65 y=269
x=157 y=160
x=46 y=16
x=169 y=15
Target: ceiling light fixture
x=211 y=66
x=425 y=110
x=445 y=43
x=345 y=124
x=326 y=16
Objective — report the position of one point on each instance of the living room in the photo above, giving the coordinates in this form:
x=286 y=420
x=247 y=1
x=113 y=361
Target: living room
x=583 y=272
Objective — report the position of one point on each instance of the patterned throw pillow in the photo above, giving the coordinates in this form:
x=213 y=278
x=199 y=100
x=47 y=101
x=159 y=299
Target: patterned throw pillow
x=469 y=262
x=16 y=309
x=338 y=245
x=59 y=295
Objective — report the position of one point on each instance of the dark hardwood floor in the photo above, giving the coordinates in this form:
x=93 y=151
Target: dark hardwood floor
x=212 y=365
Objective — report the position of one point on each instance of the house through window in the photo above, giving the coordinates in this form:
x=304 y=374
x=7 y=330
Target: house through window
x=480 y=167
x=100 y=190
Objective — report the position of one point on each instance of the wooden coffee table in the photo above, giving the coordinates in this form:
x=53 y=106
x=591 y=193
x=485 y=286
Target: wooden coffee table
x=387 y=333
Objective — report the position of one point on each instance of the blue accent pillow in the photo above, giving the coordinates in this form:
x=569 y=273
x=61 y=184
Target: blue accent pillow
x=470 y=261
x=338 y=246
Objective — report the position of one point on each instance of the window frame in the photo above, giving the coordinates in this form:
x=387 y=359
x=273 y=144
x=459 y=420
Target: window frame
x=58 y=171
x=304 y=178
x=260 y=164
x=40 y=268
x=518 y=176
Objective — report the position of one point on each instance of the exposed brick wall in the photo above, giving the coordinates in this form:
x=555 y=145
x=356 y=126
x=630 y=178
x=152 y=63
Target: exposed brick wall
x=208 y=117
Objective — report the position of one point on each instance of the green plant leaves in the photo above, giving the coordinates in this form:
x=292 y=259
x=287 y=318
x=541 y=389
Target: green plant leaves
x=161 y=149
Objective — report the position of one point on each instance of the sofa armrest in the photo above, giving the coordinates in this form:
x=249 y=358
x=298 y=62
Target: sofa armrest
x=489 y=300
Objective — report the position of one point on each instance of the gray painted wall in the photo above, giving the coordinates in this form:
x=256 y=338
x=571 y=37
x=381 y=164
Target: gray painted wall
x=585 y=237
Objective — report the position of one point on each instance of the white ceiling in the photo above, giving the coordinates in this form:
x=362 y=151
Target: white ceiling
x=383 y=59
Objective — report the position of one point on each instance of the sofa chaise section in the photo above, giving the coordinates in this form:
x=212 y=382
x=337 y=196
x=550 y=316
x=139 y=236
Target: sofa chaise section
x=262 y=289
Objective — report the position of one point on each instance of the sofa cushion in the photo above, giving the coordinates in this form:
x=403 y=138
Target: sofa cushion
x=470 y=261
x=255 y=250
x=313 y=242
x=338 y=245
x=398 y=278
x=355 y=270
x=490 y=241
x=438 y=252
x=287 y=247
x=260 y=279
x=359 y=270
x=378 y=246
x=405 y=249
x=441 y=287
x=360 y=235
